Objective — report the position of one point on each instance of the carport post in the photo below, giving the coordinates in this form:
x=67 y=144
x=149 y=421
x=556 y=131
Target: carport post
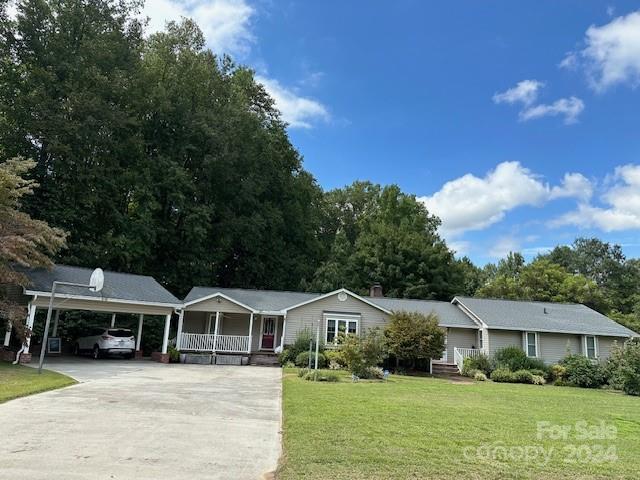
x=30 y=320
x=165 y=338
x=215 y=332
x=139 y=338
x=55 y=323
x=113 y=320
x=179 y=338
x=7 y=335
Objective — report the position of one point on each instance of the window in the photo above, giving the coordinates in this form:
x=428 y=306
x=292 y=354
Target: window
x=532 y=344
x=336 y=325
x=591 y=349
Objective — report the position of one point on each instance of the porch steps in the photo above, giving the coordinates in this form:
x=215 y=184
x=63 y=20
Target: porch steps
x=446 y=369
x=264 y=359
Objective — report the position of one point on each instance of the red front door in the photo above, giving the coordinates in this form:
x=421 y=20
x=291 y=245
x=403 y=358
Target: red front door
x=268 y=333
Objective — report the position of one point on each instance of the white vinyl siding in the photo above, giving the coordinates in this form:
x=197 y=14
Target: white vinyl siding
x=461 y=338
x=605 y=344
x=555 y=346
x=498 y=339
x=307 y=316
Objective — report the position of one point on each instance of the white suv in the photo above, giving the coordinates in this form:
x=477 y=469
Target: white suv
x=101 y=341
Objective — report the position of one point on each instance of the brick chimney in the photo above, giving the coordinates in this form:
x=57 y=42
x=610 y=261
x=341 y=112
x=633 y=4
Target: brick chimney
x=376 y=290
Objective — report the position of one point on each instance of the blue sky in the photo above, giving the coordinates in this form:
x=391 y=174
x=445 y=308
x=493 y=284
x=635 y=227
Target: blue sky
x=518 y=123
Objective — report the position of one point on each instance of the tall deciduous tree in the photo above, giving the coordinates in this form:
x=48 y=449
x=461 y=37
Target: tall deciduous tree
x=24 y=242
x=382 y=235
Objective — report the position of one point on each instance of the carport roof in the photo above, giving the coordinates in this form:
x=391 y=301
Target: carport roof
x=117 y=286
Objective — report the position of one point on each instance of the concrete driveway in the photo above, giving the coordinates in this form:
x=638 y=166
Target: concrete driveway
x=143 y=420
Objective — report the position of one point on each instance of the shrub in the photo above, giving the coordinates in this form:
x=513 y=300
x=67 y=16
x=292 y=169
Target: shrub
x=582 y=372
x=285 y=357
x=522 y=376
x=302 y=360
x=481 y=363
x=413 y=337
x=174 y=354
x=336 y=357
x=289 y=364
x=469 y=372
x=502 y=375
x=301 y=344
x=538 y=380
x=624 y=367
x=303 y=371
x=557 y=372
x=373 y=372
x=540 y=373
x=362 y=353
x=480 y=377
x=321 y=376
x=514 y=358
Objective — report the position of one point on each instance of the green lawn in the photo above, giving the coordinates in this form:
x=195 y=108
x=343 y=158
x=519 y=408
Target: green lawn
x=416 y=428
x=18 y=381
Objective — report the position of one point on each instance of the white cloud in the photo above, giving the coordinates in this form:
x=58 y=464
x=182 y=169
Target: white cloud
x=525 y=92
x=574 y=185
x=297 y=111
x=611 y=54
x=473 y=203
x=621 y=210
x=503 y=246
x=225 y=23
x=570 y=108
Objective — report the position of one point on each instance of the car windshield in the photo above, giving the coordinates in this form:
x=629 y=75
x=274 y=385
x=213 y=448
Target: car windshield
x=120 y=332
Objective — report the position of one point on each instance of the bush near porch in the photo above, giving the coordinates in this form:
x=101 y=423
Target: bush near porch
x=417 y=427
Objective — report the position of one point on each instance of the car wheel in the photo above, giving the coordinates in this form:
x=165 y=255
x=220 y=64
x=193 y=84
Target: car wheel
x=76 y=350
x=96 y=352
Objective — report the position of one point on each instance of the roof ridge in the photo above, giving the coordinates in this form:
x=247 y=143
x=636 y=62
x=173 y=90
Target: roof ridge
x=104 y=270
x=259 y=290
x=497 y=299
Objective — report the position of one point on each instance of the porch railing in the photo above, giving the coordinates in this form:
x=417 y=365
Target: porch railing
x=207 y=342
x=459 y=354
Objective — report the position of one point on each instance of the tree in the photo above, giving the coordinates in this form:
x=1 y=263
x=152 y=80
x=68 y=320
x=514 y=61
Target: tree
x=542 y=280
x=473 y=277
x=412 y=336
x=24 y=242
x=385 y=236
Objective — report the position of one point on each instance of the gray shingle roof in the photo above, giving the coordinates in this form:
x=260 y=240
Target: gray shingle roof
x=559 y=317
x=120 y=286
x=262 y=300
x=449 y=315
x=274 y=300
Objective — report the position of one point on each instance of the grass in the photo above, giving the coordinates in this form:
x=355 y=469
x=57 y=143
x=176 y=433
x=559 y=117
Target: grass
x=19 y=381
x=420 y=428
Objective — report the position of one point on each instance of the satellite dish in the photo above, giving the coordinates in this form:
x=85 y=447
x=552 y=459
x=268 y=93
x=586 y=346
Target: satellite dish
x=97 y=280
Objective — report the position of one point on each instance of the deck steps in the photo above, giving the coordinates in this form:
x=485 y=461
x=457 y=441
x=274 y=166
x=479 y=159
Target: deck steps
x=264 y=359
x=450 y=369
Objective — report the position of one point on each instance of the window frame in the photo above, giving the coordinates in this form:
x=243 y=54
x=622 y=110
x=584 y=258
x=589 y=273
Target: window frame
x=535 y=344
x=595 y=347
x=337 y=318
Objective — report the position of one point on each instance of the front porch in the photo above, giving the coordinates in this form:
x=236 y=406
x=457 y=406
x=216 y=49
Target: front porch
x=229 y=332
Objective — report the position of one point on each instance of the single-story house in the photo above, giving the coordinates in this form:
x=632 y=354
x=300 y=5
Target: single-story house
x=240 y=320
x=258 y=323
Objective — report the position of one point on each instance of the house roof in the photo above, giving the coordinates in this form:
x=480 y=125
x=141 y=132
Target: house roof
x=259 y=300
x=543 y=317
x=278 y=301
x=448 y=314
x=117 y=286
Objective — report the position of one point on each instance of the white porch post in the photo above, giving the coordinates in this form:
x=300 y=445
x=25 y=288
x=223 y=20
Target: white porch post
x=55 y=324
x=215 y=332
x=139 y=337
x=284 y=328
x=113 y=320
x=30 y=320
x=250 y=332
x=165 y=338
x=180 y=322
x=7 y=335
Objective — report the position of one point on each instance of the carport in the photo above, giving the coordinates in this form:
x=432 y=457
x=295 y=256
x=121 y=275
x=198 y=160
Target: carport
x=122 y=293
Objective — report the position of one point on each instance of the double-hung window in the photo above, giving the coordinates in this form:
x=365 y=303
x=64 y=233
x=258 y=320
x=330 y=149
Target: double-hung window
x=337 y=324
x=531 y=344
x=591 y=348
